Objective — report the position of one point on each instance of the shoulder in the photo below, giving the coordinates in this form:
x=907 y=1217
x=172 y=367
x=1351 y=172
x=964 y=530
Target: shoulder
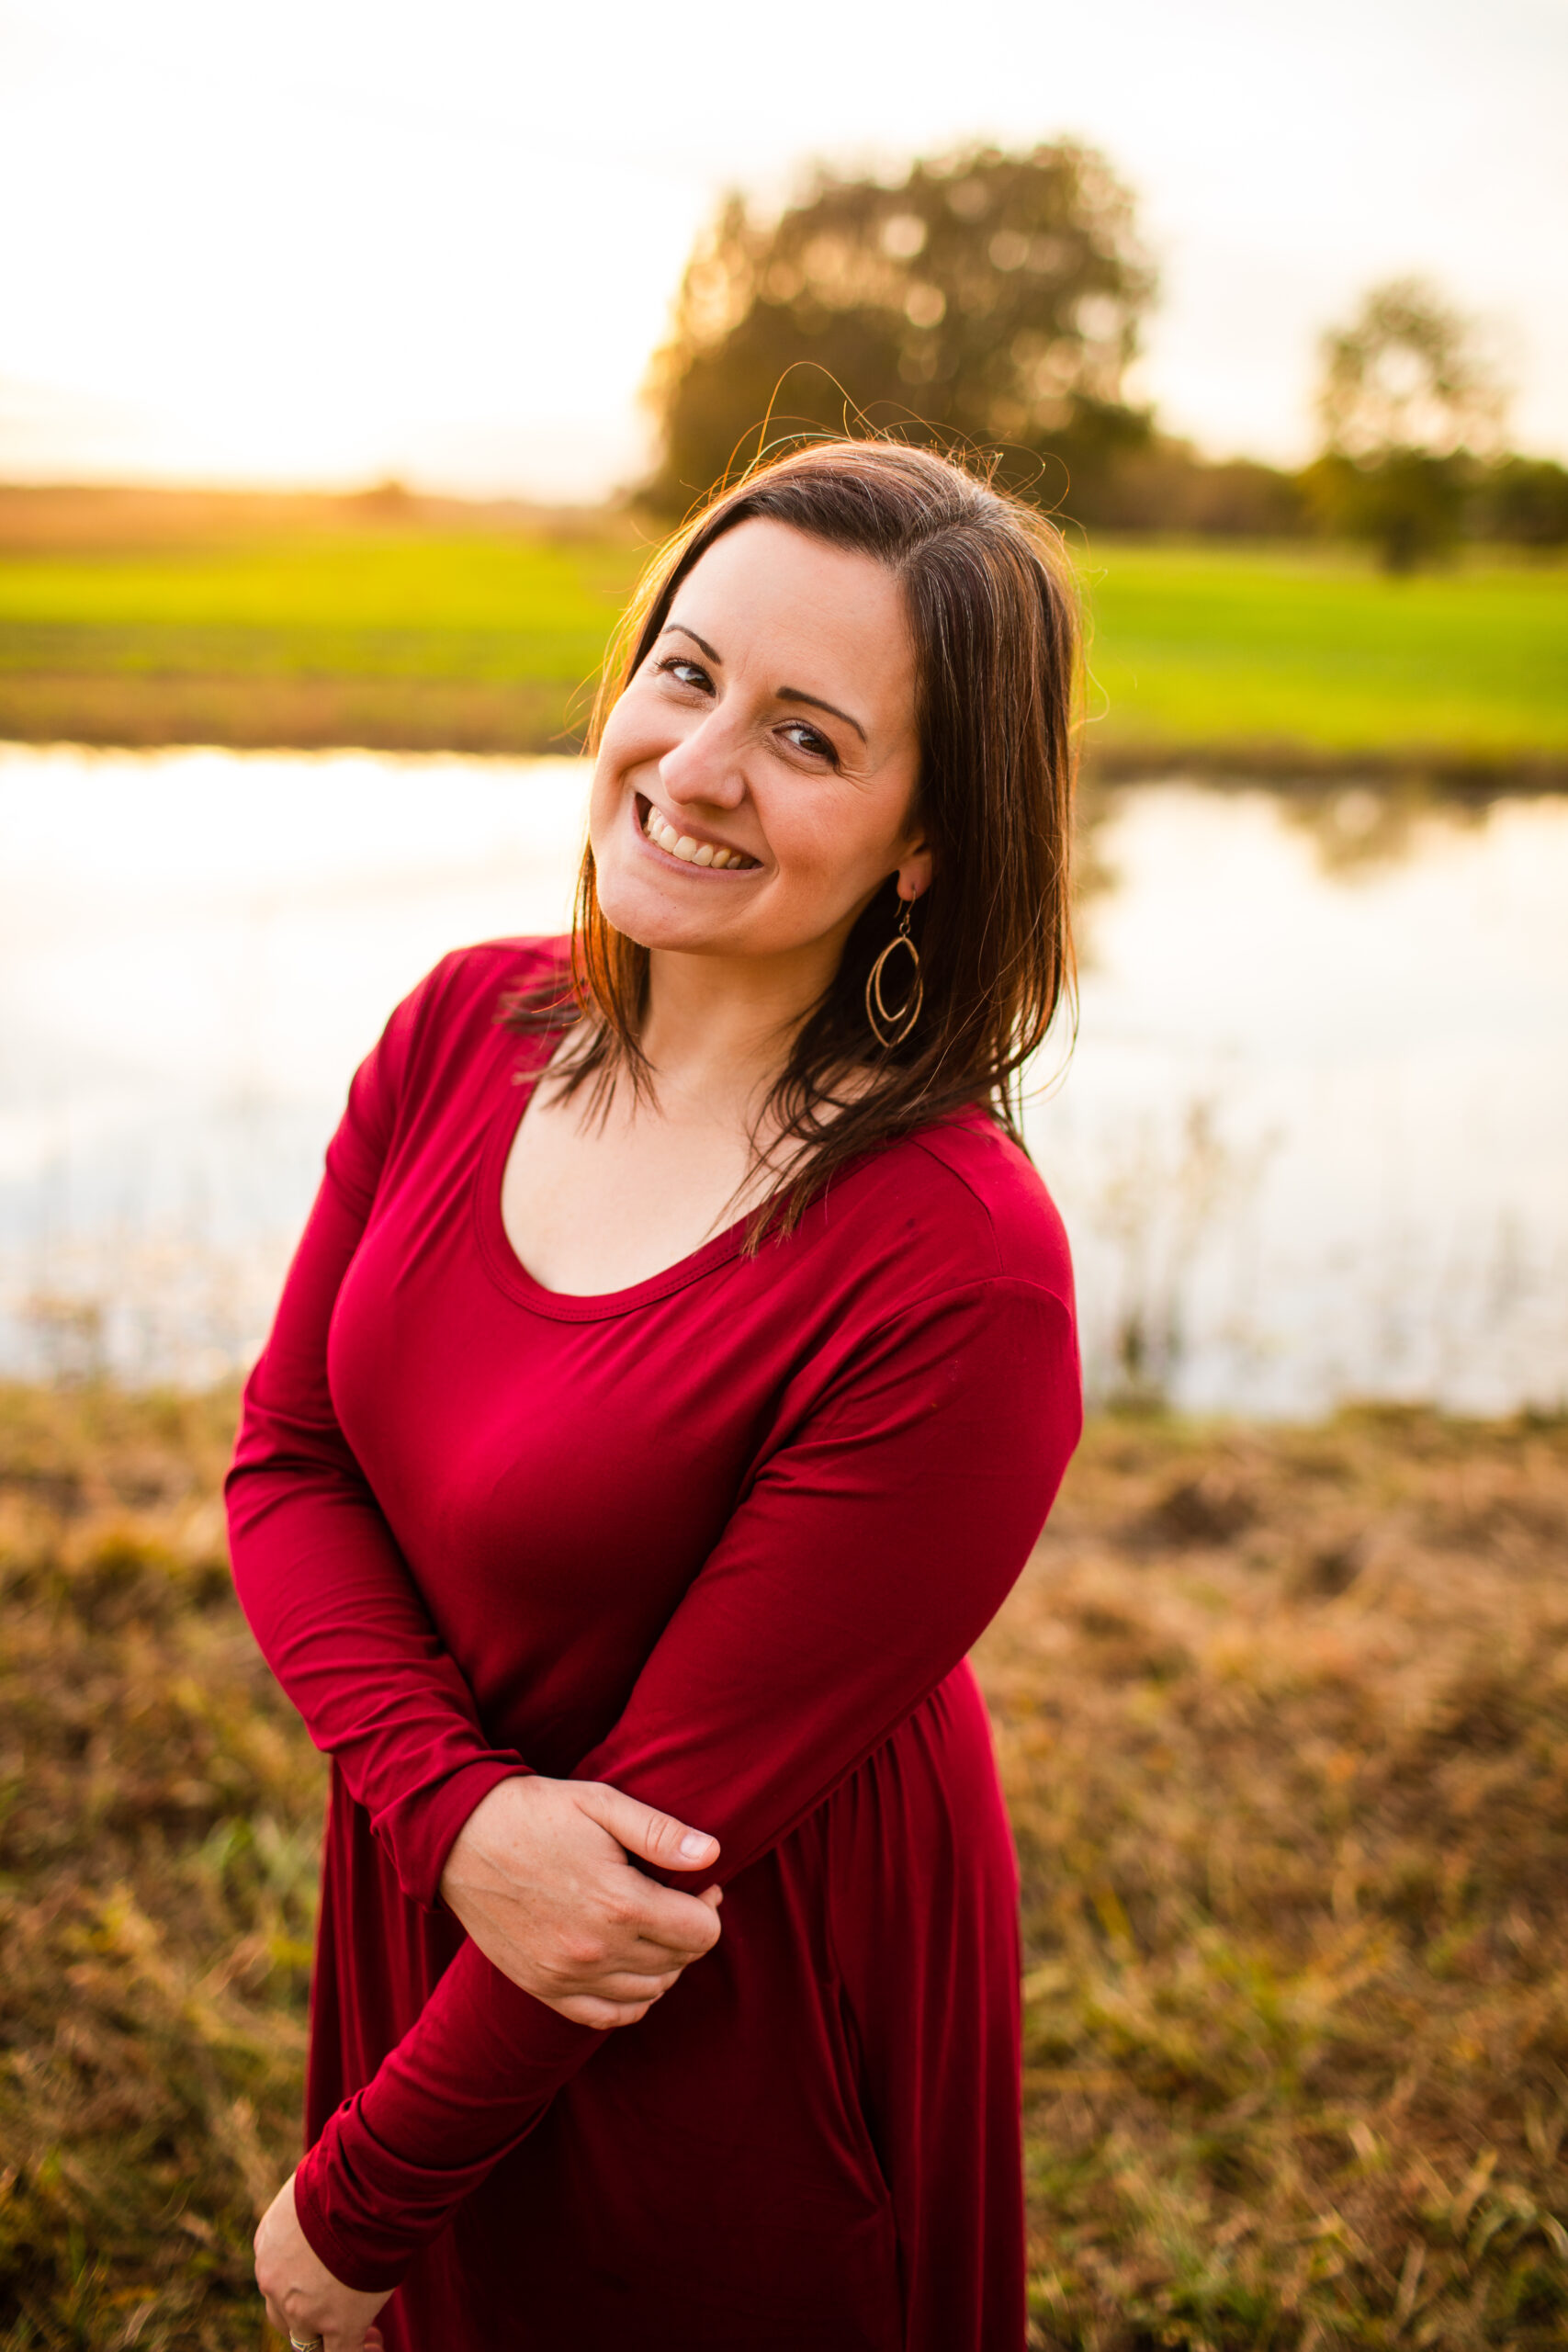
x=444 y=1030
x=941 y=1260
x=954 y=1205
x=478 y=978
x=461 y=998
x=991 y=1188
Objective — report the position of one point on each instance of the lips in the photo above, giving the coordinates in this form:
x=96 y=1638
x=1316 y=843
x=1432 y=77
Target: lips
x=709 y=857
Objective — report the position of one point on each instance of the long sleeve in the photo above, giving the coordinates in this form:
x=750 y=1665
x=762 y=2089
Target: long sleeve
x=877 y=1539
x=327 y=1592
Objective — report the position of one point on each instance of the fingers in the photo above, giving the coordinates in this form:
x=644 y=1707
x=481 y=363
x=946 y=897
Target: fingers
x=337 y=2336
x=633 y=1987
x=301 y=2296
x=683 y=1925
x=604 y=2016
x=656 y=1838
x=617 y=2000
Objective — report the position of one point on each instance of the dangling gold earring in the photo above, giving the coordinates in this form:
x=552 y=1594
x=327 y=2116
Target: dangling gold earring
x=891 y=1025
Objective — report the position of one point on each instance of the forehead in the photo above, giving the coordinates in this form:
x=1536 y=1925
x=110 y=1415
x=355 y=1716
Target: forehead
x=767 y=591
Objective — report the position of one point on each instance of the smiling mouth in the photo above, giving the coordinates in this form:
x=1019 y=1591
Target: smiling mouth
x=711 y=856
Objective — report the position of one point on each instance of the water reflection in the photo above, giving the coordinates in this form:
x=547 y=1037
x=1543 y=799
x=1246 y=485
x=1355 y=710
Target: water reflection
x=1360 y=825
x=1315 y=1141
x=1312 y=1142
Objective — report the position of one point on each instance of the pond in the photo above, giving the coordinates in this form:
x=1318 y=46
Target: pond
x=1312 y=1141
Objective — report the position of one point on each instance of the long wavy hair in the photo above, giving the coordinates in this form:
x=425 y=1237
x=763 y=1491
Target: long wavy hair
x=994 y=615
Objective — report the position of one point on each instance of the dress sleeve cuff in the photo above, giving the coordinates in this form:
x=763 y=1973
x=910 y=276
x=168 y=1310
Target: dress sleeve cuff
x=313 y=2203
x=420 y=1832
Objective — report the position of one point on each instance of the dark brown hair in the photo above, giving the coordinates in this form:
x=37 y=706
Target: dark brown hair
x=993 y=611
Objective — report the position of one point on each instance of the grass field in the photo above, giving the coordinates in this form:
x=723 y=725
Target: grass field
x=1262 y=656
x=312 y=623
x=405 y=640
x=1284 y=1719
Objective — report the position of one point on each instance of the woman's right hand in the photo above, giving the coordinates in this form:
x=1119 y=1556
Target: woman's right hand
x=540 y=1877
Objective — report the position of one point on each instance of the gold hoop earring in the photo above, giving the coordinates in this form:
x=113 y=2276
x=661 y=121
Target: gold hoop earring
x=890 y=1024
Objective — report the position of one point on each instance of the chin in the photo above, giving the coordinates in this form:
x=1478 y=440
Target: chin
x=639 y=909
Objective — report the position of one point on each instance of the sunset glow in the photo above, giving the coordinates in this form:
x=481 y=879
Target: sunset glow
x=326 y=246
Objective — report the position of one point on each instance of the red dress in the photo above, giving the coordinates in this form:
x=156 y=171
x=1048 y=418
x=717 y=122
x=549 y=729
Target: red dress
x=723 y=1540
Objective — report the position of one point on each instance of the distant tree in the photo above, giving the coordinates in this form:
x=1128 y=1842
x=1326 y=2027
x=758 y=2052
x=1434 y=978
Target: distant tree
x=995 y=298
x=1526 y=500
x=1167 y=486
x=1407 y=405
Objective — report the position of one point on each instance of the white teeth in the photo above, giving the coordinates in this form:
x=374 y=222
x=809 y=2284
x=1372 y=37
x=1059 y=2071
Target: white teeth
x=689 y=852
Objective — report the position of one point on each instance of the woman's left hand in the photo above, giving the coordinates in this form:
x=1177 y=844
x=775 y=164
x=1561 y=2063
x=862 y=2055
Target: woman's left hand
x=303 y=2300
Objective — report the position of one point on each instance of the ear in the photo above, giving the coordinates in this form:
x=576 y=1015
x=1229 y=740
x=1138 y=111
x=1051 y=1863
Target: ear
x=915 y=869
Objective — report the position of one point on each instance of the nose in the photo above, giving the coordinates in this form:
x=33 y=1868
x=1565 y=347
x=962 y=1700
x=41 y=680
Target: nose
x=704 y=768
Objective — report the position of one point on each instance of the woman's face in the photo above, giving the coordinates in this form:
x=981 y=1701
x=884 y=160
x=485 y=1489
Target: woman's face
x=756 y=779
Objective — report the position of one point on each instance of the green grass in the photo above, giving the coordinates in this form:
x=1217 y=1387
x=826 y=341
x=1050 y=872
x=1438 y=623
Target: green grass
x=409 y=635
x=1302 y=648
x=435 y=606
x=399 y=640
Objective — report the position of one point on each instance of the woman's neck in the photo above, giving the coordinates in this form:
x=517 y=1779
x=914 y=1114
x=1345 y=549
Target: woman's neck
x=718 y=1030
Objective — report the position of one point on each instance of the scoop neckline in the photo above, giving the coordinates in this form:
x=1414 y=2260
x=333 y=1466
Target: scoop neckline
x=507 y=1268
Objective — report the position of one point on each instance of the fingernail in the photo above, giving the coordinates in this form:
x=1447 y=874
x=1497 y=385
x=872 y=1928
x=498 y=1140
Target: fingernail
x=694 y=1843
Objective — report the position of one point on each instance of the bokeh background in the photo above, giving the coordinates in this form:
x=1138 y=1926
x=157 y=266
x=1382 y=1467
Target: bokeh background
x=351 y=362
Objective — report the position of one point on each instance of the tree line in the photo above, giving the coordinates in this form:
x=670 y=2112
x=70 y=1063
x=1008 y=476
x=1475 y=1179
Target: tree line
x=994 y=302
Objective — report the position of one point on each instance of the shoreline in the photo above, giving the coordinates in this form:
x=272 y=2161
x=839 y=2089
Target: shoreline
x=400 y=631
x=530 y=721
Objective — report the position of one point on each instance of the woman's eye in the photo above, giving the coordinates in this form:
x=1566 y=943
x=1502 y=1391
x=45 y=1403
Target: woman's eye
x=684 y=672
x=806 y=738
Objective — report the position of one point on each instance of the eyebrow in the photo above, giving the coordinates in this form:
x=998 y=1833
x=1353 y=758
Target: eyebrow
x=784 y=694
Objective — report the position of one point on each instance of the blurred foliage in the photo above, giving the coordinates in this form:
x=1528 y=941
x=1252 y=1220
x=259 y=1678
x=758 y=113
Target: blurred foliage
x=992 y=302
x=992 y=297
x=1409 y=504
x=1164 y=485
x=1406 y=374
x=1406 y=404
x=1283 y=1720
x=1523 y=500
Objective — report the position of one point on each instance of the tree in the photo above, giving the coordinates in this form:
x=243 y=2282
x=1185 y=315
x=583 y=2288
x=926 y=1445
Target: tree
x=1408 y=404
x=1526 y=500
x=991 y=299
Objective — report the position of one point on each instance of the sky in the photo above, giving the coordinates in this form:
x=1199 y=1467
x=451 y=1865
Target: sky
x=327 y=242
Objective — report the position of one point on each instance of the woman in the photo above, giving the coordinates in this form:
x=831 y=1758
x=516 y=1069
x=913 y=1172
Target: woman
x=672 y=1381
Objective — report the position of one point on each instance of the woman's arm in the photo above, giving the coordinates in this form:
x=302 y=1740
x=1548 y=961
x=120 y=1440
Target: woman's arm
x=328 y=1594
x=343 y=1626
x=871 y=1551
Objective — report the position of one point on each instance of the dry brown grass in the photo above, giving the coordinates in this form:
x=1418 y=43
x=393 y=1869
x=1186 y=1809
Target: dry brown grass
x=158 y=1836
x=145 y=713
x=1285 y=1720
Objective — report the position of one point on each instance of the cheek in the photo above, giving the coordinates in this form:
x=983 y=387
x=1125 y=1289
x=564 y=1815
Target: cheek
x=848 y=848
x=618 y=746
x=628 y=743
